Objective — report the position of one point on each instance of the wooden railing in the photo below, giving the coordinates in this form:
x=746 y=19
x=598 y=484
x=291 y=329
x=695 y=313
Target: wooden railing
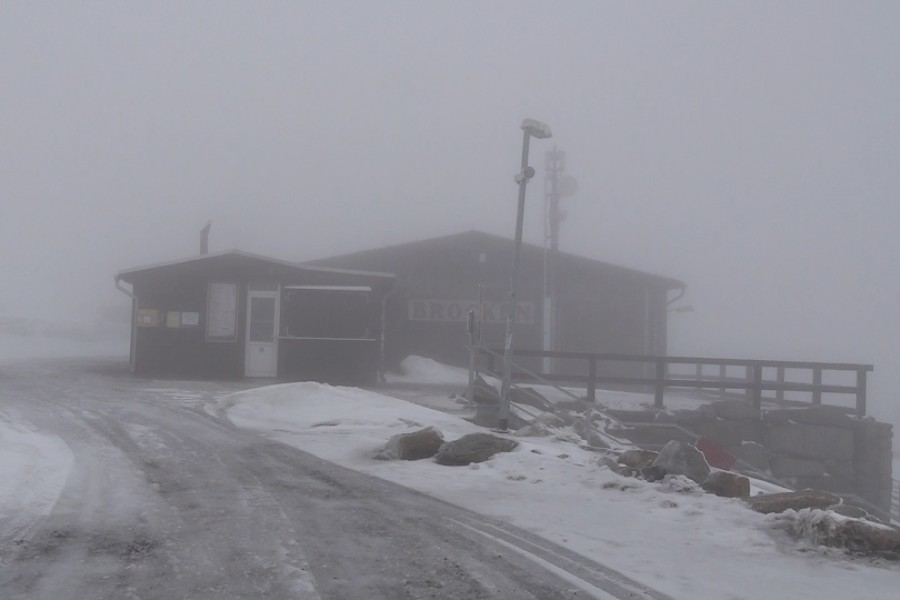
x=657 y=374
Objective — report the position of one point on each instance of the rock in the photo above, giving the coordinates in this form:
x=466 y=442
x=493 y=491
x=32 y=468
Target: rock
x=854 y=535
x=413 y=446
x=754 y=454
x=486 y=415
x=810 y=441
x=472 y=448
x=536 y=429
x=785 y=466
x=637 y=458
x=853 y=512
x=652 y=473
x=614 y=466
x=678 y=458
x=727 y=484
x=735 y=410
x=568 y=417
x=589 y=434
x=866 y=538
x=776 y=503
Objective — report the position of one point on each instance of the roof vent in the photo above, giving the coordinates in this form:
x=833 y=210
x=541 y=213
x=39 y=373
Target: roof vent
x=204 y=238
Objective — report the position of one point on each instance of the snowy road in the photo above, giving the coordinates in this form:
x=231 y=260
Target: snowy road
x=166 y=499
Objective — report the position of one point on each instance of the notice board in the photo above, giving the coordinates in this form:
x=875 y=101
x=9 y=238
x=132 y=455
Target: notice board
x=221 y=314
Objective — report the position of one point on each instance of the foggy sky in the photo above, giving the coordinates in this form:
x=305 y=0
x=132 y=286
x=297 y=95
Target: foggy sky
x=750 y=149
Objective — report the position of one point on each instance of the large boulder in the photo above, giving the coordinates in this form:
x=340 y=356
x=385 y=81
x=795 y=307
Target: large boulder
x=678 y=458
x=413 y=446
x=854 y=535
x=776 y=503
x=472 y=448
x=727 y=484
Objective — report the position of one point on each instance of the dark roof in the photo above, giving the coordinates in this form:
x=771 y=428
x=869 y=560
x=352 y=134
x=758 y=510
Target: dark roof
x=530 y=252
x=244 y=259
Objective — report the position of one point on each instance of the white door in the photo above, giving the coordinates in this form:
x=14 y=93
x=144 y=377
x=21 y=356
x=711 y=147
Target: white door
x=262 y=328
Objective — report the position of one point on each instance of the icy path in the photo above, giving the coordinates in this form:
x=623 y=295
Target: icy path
x=33 y=471
x=166 y=500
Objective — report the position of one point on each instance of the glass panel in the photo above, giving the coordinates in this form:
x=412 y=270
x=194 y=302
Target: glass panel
x=334 y=314
x=262 y=319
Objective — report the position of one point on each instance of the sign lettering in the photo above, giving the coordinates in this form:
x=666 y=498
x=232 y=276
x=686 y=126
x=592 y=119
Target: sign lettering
x=454 y=311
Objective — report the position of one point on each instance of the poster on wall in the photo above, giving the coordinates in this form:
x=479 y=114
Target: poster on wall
x=148 y=317
x=221 y=320
x=190 y=319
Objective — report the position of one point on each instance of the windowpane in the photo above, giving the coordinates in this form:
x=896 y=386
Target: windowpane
x=262 y=319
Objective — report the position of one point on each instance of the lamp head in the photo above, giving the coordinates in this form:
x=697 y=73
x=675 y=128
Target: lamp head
x=536 y=129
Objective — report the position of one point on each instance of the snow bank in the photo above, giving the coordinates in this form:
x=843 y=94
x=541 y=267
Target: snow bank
x=670 y=536
x=418 y=369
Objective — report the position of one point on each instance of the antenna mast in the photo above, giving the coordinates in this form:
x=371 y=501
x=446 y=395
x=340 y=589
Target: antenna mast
x=555 y=165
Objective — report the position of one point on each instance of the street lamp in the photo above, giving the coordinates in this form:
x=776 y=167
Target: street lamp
x=530 y=129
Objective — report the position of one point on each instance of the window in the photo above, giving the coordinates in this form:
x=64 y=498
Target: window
x=330 y=312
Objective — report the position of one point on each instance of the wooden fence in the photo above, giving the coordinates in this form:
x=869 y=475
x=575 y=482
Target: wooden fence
x=659 y=374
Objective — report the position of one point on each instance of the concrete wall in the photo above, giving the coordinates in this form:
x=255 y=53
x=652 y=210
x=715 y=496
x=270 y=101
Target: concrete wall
x=817 y=447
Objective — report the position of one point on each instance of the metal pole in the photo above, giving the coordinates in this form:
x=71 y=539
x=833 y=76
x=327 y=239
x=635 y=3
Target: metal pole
x=503 y=414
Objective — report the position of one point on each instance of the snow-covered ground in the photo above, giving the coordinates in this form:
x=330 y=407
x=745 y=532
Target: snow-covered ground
x=670 y=536
x=34 y=467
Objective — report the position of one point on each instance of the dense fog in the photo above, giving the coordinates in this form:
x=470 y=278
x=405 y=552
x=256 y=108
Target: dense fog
x=748 y=149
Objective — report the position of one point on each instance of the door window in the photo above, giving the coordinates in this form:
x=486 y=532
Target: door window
x=262 y=319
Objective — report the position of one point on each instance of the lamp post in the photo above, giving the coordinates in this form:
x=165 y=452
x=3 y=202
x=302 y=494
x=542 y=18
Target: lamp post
x=530 y=129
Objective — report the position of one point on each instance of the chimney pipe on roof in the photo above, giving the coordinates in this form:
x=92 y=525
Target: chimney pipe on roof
x=204 y=238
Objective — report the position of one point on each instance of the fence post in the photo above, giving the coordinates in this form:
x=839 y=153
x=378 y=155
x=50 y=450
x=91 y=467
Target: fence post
x=722 y=373
x=660 y=385
x=470 y=390
x=748 y=378
x=861 y=392
x=817 y=381
x=757 y=387
x=592 y=379
x=779 y=393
